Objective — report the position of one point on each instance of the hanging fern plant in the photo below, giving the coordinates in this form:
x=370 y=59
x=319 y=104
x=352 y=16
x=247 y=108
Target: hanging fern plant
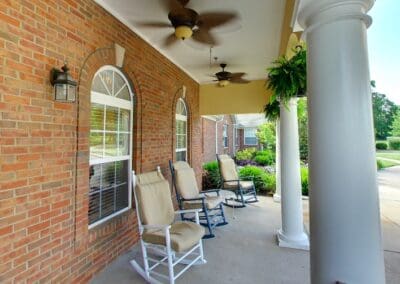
x=272 y=110
x=287 y=78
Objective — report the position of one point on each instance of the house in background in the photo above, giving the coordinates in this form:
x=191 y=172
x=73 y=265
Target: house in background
x=227 y=134
x=246 y=128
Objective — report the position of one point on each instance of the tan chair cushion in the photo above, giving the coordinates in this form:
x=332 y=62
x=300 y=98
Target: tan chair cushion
x=186 y=183
x=224 y=156
x=228 y=169
x=211 y=203
x=155 y=204
x=184 y=235
x=181 y=165
x=233 y=184
x=149 y=177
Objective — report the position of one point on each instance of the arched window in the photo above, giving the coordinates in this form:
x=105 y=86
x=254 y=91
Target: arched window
x=181 y=116
x=110 y=145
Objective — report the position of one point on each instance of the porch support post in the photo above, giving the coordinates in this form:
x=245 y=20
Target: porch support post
x=346 y=243
x=277 y=194
x=292 y=232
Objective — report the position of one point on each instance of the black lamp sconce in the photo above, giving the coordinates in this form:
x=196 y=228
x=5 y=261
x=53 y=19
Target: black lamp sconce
x=64 y=85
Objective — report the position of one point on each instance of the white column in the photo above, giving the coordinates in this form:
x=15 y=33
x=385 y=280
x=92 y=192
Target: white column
x=277 y=194
x=345 y=231
x=292 y=233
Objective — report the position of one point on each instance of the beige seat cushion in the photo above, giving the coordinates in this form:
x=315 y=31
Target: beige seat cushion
x=155 y=204
x=184 y=235
x=224 y=156
x=149 y=177
x=228 y=169
x=186 y=183
x=181 y=165
x=233 y=184
x=211 y=203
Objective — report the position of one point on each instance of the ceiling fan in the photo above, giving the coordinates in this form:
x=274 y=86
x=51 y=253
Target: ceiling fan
x=225 y=77
x=188 y=23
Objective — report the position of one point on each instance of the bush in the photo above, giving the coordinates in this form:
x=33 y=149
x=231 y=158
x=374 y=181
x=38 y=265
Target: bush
x=246 y=163
x=245 y=154
x=264 y=158
x=394 y=143
x=211 y=176
x=304 y=180
x=379 y=164
x=381 y=145
x=262 y=180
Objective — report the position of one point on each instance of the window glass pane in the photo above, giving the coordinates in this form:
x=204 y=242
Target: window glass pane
x=111 y=118
x=180 y=141
x=94 y=207
x=111 y=145
x=123 y=148
x=108 y=175
x=124 y=94
x=121 y=196
x=124 y=119
x=95 y=178
x=181 y=156
x=96 y=145
x=180 y=127
x=118 y=83
x=107 y=202
x=107 y=76
x=97 y=117
x=121 y=172
x=98 y=86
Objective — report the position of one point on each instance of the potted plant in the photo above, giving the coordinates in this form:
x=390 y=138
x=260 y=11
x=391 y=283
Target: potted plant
x=287 y=78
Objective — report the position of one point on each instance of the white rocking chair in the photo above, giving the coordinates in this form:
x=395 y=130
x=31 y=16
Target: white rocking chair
x=169 y=243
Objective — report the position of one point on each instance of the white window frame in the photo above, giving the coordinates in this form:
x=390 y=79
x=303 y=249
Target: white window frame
x=108 y=100
x=244 y=135
x=225 y=141
x=182 y=118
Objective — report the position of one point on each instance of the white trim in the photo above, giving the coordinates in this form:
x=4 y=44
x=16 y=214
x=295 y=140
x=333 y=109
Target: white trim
x=184 y=118
x=181 y=117
x=101 y=221
x=99 y=98
x=107 y=7
x=108 y=160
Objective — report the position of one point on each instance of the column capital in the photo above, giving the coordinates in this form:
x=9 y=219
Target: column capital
x=317 y=13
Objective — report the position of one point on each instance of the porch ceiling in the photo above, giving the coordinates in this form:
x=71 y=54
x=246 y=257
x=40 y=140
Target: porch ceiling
x=250 y=47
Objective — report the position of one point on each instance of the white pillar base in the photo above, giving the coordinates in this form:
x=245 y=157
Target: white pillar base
x=277 y=198
x=300 y=242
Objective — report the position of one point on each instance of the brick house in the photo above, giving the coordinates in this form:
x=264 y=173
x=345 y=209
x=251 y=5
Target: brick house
x=218 y=136
x=246 y=125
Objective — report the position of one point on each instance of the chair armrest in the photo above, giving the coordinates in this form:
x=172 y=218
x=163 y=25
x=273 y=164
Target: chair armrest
x=210 y=191
x=193 y=199
x=187 y=211
x=231 y=180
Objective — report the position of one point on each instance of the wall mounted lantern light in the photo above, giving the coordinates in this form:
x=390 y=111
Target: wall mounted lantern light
x=64 y=84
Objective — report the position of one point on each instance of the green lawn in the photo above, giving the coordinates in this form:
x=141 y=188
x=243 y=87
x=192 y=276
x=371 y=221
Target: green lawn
x=394 y=155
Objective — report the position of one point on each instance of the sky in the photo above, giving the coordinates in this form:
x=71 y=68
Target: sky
x=384 y=48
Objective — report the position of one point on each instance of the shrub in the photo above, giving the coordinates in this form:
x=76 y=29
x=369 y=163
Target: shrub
x=381 y=145
x=379 y=164
x=245 y=154
x=246 y=163
x=304 y=180
x=262 y=180
x=211 y=175
x=264 y=158
x=394 y=143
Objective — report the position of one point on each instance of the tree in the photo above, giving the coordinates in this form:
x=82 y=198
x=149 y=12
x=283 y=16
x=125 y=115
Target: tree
x=396 y=124
x=384 y=111
x=266 y=135
x=302 y=117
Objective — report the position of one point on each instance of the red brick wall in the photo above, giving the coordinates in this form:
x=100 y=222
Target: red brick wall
x=44 y=162
x=208 y=136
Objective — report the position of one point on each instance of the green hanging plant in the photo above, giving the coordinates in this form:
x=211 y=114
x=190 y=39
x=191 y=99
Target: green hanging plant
x=272 y=110
x=287 y=78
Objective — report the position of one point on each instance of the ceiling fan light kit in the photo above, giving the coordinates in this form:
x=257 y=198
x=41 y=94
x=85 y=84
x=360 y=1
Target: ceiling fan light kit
x=183 y=32
x=223 y=83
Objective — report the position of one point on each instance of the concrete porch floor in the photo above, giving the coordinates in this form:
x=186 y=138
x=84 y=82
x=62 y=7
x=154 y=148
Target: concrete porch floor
x=245 y=251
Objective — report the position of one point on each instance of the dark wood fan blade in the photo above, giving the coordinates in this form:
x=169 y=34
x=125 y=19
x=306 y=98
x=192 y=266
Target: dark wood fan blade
x=154 y=25
x=204 y=37
x=239 y=81
x=237 y=75
x=211 y=20
x=172 y=5
x=169 y=40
